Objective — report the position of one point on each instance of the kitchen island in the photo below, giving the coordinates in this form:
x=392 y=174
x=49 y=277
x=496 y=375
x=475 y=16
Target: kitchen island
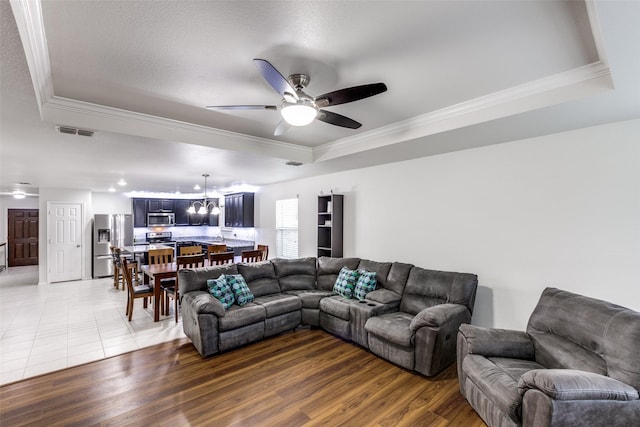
x=235 y=245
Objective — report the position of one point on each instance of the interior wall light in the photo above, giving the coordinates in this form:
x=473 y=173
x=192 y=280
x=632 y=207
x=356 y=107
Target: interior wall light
x=300 y=113
x=204 y=204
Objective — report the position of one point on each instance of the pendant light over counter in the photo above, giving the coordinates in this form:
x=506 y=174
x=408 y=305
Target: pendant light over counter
x=204 y=204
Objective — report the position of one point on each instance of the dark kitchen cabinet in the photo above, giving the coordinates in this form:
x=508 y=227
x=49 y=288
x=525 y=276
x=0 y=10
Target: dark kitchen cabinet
x=214 y=220
x=160 y=205
x=330 y=217
x=139 y=212
x=182 y=216
x=238 y=210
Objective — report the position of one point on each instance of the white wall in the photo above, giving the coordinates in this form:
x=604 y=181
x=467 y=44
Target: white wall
x=561 y=210
x=111 y=203
x=64 y=196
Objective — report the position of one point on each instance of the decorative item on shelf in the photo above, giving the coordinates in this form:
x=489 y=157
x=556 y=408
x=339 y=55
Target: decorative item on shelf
x=327 y=222
x=204 y=205
x=329 y=208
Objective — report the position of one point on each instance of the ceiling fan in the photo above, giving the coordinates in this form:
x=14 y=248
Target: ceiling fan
x=298 y=108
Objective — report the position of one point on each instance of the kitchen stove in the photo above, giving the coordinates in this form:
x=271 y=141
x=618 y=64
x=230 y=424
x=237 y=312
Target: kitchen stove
x=159 y=237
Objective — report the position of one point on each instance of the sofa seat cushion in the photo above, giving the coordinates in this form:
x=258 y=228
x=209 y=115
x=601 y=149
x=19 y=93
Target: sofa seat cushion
x=311 y=298
x=393 y=327
x=277 y=304
x=385 y=296
x=497 y=379
x=237 y=316
x=337 y=306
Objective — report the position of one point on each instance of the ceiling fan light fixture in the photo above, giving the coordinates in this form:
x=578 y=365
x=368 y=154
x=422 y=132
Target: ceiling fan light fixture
x=301 y=113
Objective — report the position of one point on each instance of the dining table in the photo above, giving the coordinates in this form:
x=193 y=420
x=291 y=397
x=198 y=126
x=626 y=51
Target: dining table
x=156 y=273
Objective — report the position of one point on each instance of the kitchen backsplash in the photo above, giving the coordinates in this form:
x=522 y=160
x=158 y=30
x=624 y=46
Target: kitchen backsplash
x=139 y=233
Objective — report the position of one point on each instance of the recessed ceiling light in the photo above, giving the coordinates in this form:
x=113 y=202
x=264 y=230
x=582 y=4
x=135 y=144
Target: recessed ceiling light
x=122 y=182
x=196 y=187
x=111 y=189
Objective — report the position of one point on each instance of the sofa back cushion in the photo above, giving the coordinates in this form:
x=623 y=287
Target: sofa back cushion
x=380 y=268
x=195 y=279
x=295 y=274
x=397 y=278
x=260 y=277
x=329 y=268
x=426 y=288
x=577 y=332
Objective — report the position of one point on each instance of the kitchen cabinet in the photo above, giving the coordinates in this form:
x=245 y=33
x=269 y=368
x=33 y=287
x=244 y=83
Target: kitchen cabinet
x=182 y=216
x=139 y=212
x=238 y=210
x=160 y=205
x=330 y=219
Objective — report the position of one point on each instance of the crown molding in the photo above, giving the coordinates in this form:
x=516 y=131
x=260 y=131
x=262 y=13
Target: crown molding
x=82 y=114
x=562 y=87
x=28 y=15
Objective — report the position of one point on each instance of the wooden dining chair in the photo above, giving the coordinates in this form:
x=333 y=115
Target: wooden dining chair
x=252 y=256
x=118 y=278
x=173 y=291
x=265 y=250
x=190 y=250
x=221 y=258
x=215 y=249
x=134 y=291
x=161 y=256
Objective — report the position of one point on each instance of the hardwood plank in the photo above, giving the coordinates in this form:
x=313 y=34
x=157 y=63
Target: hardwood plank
x=307 y=377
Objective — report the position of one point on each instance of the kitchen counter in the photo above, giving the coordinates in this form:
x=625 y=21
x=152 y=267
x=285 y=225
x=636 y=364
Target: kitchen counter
x=142 y=248
x=208 y=240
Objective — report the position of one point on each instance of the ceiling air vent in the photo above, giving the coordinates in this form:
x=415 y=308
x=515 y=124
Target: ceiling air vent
x=292 y=163
x=74 y=131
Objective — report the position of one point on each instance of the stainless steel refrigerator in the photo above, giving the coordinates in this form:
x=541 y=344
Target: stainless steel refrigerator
x=109 y=230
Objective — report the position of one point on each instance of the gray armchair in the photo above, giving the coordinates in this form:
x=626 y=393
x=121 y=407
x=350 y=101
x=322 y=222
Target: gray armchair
x=578 y=364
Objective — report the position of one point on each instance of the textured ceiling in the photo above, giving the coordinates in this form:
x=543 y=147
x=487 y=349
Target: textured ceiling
x=460 y=75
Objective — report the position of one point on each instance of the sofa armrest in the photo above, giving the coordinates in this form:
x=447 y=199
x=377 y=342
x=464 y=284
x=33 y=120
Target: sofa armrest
x=202 y=302
x=571 y=384
x=436 y=316
x=497 y=342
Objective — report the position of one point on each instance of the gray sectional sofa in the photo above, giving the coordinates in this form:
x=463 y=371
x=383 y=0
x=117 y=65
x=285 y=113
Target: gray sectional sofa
x=577 y=364
x=410 y=319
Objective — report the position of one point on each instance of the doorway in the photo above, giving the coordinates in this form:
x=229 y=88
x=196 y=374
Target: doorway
x=23 y=237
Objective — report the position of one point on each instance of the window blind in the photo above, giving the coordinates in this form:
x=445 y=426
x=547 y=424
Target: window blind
x=287 y=228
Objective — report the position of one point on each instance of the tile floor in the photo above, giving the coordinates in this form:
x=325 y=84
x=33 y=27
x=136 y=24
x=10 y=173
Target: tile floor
x=44 y=328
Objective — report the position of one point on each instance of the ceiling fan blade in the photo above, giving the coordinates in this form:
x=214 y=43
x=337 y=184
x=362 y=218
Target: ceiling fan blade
x=337 y=119
x=241 y=107
x=350 y=94
x=282 y=127
x=274 y=78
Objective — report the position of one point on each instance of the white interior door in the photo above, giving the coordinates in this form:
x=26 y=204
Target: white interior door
x=65 y=241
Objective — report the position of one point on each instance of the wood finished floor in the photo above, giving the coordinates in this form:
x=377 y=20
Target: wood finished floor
x=307 y=377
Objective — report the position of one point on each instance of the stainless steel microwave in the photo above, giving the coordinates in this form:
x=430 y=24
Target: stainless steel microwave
x=166 y=219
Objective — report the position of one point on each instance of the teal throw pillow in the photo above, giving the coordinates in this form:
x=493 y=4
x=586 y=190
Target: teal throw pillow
x=221 y=291
x=346 y=282
x=366 y=283
x=240 y=289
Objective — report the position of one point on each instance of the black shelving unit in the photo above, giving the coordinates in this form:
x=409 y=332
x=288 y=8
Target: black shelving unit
x=330 y=218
